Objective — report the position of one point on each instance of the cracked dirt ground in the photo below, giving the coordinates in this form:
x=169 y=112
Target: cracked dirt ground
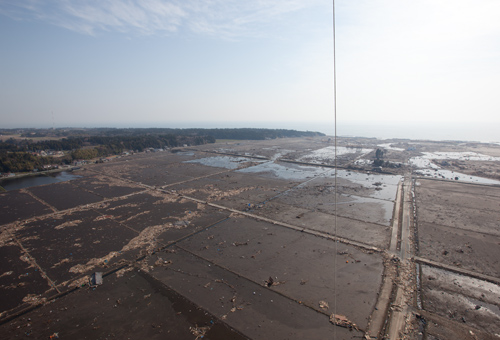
x=204 y=244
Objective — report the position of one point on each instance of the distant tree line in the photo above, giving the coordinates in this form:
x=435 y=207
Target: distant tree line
x=239 y=134
x=107 y=144
x=16 y=155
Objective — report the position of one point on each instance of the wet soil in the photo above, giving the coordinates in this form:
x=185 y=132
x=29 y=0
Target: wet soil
x=63 y=245
x=64 y=195
x=302 y=262
x=251 y=307
x=466 y=300
x=264 y=279
x=106 y=186
x=233 y=190
x=133 y=306
x=351 y=229
x=18 y=205
x=19 y=279
x=458 y=225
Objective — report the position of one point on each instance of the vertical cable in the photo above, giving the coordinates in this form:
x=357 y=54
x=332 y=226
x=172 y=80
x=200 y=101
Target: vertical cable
x=335 y=180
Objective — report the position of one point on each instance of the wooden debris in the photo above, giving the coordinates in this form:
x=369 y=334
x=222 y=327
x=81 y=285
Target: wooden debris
x=342 y=321
x=324 y=305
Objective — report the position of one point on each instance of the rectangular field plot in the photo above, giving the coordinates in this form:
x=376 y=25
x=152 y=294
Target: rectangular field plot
x=301 y=265
x=20 y=281
x=105 y=186
x=69 y=245
x=458 y=224
x=64 y=195
x=252 y=308
x=233 y=190
x=19 y=205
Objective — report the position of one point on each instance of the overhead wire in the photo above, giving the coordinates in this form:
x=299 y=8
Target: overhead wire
x=335 y=293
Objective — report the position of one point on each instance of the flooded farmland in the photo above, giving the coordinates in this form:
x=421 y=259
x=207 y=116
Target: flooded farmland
x=260 y=240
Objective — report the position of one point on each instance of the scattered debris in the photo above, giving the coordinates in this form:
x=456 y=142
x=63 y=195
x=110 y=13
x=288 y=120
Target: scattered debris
x=199 y=332
x=68 y=224
x=271 y=282
x=146 y=239
x=324 y=305
x=254 y=255
x=122 y=271
x=7 y=273
x=103 y=217
x=34 y=299
x=342 y=321
x=92 y=263
x=181 y=223
x=240 y=244
x=162 y=262
x=80 y=282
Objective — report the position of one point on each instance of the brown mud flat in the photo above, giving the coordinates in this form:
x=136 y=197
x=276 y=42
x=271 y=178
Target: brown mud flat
x=251 y=307
x=482 y=169
x=155 y=169
x=144 y=209
x=368 y=233
x=458 y=227
x=245 y=248
x=132 y=306
x=18 y=205
x=70 y=245
x=105 y=186
x=462 y=299
x=20 y=280
x=234 y=190
x=300 y=264
x=64 y=195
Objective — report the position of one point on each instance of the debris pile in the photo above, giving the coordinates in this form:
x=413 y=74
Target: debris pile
x=342 y=321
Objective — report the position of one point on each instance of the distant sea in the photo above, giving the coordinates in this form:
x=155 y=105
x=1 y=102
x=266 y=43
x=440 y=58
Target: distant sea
x=477 y=132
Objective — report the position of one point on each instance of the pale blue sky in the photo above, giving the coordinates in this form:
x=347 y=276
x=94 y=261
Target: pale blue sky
x=173 y=62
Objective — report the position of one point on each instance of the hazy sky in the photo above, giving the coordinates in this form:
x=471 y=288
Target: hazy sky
x=161 y=62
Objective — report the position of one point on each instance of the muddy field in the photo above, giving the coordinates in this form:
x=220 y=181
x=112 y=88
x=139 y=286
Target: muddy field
x=255 y=240
x=458 y=226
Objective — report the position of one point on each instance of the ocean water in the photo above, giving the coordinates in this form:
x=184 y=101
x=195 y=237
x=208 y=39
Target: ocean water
x=474 y=131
